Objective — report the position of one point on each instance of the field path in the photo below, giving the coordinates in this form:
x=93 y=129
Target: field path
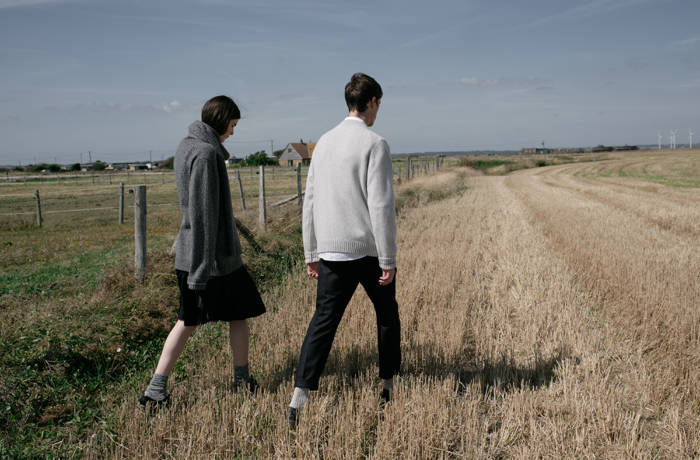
x=548 y=313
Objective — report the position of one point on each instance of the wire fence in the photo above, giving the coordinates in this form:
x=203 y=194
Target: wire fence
x=38 y=198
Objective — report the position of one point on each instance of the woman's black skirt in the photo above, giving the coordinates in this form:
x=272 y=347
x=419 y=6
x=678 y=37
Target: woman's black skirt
x=230 y=297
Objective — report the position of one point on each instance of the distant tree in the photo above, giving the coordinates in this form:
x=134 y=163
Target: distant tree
x=37 y=167
x=18 y=168
x=278 y=153
x=98 y=166
x=74 y=167
x=54 y=168
x=168 y=163
x=259 y=158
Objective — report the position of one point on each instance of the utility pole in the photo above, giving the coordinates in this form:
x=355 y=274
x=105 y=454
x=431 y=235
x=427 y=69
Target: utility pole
x=150 y=157
x=90 y=155
x=272 y=152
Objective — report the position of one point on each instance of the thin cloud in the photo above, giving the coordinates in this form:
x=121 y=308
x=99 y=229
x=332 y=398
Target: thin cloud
x=18 y=3
x=173 y=106
x=587 y=10
x=508 y=82
x=686 y=42
x=692 y=84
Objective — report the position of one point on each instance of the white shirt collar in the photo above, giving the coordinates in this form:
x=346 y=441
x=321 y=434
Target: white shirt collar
x=355 y=118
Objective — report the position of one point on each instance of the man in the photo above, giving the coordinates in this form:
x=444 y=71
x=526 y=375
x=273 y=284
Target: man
x=349 y=230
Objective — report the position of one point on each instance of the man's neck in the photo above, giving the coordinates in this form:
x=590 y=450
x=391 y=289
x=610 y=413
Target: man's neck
x=361 y=116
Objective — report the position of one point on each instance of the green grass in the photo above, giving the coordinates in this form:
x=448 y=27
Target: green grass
x=84 y=270
x=678 y=179
x=481 y=164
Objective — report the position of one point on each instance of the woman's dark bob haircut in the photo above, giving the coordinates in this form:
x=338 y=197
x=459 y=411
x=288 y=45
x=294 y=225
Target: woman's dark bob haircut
x=218 y=113
x=360 y=90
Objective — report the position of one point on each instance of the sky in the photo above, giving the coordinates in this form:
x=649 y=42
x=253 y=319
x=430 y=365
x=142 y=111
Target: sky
x=122 y=80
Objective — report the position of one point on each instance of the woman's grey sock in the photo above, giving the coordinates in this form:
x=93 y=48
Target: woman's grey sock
x=156 y=389
x=241 y=374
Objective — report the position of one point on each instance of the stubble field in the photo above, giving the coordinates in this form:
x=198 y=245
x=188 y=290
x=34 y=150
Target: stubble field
x=548 y=313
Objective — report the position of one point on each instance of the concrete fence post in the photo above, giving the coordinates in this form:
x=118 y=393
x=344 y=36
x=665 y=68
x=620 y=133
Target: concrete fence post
x=38 y=209
x=140 y=232
x=240 y=187
x=262 y=217
x=121 y=202
x=299 y=183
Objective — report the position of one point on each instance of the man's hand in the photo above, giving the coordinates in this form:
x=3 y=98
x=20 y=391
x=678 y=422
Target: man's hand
x=387 y=277
x=312 y=270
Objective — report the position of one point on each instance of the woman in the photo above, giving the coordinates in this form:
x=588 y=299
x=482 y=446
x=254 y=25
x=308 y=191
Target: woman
x=214 y=285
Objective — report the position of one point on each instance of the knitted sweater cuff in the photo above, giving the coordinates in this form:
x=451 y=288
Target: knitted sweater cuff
x=387 y=263
x=310 y=257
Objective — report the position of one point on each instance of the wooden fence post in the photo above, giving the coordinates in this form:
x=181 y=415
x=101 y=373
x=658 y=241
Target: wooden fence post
x=240 y=187
x=262 y=217
x=38 y=209
x=140 y=232
x=299 y=183
x=121 y=202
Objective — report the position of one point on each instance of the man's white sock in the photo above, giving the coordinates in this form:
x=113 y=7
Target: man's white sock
x=300 y=398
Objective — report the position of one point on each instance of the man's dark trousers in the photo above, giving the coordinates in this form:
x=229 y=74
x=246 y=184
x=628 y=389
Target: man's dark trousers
x=337 y=282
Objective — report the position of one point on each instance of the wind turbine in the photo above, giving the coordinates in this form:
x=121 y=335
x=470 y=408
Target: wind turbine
x=690 y=139
x=673 y=138
x=659 y=136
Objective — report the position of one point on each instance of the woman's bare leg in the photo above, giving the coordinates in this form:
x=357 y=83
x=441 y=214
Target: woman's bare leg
x=173 y=347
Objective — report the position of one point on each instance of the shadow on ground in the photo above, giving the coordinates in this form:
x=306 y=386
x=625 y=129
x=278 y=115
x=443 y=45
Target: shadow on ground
x=428 y=360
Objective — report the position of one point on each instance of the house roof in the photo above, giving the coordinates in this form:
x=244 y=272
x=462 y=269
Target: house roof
x=305 y=149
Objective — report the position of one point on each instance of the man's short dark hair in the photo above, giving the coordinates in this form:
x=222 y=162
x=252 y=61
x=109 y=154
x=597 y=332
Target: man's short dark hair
x=360 y=90
x=218 y=113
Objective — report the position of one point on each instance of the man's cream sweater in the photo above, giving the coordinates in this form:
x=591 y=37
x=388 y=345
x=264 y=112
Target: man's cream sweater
x=349 y=200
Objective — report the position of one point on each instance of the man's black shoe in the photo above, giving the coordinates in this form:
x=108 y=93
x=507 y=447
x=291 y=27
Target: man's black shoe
x=292 y=417
x=385 y=397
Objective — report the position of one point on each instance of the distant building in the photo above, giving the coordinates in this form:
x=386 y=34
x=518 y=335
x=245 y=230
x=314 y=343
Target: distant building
x=140 y=166
x=531 y=150
x=119 y=166
x=297 y=152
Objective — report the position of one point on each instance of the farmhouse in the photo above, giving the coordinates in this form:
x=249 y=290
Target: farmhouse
x=297 y=152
